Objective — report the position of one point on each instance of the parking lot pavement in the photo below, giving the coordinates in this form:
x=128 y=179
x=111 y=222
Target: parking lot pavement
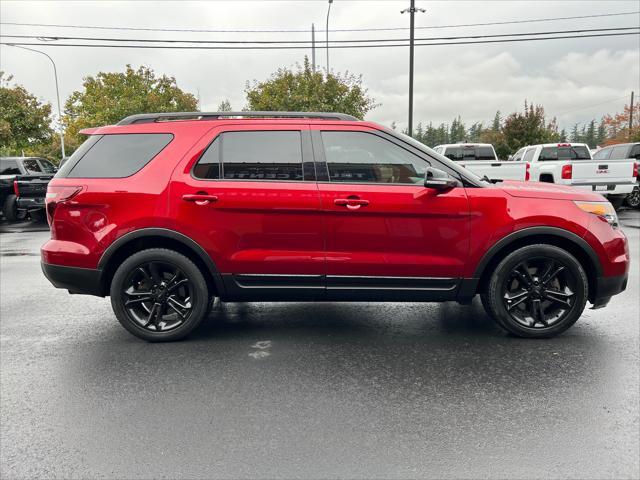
x=356 y=390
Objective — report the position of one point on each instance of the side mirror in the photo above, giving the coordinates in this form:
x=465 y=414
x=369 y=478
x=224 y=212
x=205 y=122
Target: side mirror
x=439 y=180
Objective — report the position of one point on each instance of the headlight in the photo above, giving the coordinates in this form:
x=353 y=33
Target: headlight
x=604 y=211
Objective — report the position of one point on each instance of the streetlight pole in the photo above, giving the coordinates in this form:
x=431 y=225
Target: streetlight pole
x=55 y=74
x=412 y=10
x=327 y=32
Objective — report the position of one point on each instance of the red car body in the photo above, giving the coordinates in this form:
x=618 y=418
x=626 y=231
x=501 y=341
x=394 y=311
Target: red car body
x=315 y=239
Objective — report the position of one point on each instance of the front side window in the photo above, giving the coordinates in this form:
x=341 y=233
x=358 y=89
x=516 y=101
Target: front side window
x=117 y=155
x=47 y=166
x=360 y=157
x=518 y=156
x=618 y=153
x=603 y=154
x=528 y=156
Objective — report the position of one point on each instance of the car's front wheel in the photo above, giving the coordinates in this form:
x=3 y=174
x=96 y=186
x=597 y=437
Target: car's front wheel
x=159 y=295
x=633 y=199
x=537 y=291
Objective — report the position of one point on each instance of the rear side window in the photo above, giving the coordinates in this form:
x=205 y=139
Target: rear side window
x=255 y=155
x=114 y=156
x=570 y=152
x=603 y=154
x=31 y=165
x=9 y=167
x=528 y=156
x=635 y=152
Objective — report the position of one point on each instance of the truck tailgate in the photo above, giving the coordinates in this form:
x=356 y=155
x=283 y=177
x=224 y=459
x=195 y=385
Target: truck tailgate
x=33 y=186
x=602 y=173
x=497 y=170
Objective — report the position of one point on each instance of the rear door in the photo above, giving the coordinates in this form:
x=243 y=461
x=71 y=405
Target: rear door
x=248 y=195
x=387 y=237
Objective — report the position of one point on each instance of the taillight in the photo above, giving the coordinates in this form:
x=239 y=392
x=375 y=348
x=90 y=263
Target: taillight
x=57 y=194
x=567 y=171
x=15 y=188
x=635 y=172
x=527 y=175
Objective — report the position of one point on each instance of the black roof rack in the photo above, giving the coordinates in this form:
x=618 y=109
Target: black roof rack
x=169 y=116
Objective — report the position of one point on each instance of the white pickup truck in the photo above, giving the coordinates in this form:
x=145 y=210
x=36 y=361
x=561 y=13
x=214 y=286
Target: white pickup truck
x=571 y=164
x=482 y=160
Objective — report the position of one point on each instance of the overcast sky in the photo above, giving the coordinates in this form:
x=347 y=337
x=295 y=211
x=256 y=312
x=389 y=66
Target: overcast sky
x=575 y=79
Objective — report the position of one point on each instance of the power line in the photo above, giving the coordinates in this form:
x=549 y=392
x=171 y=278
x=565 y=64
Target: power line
x=297 y=47
x=380 y=29
x=590 y=106
x=307 y=42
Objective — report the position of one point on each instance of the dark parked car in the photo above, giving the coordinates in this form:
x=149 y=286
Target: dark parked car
x=23 y=186
x=624 y=151
x=162 y=212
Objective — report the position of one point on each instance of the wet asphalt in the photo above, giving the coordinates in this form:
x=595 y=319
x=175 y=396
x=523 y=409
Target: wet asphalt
x=353 y=390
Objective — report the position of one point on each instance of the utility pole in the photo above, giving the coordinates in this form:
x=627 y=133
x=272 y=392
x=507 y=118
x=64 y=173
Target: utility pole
x=313 y=47
x=327 y=32
x=631 y=116
x=412 y=10
x=55 y=76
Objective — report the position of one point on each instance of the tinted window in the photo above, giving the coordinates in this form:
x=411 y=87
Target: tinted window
x=31 y=165
x=261 y=155
x=603 y=154
x=9 y=167
x=118 y=156
x=47 y=166
x=67 y=165
x=362 y=157
x=575 y=152
x=528 y=156
x=618 y=153
x=209 y=164
x=469 y=152
x=635 y=152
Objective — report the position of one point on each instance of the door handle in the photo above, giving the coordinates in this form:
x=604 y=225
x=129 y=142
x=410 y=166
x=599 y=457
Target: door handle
x=200 y=198
x=351 y=203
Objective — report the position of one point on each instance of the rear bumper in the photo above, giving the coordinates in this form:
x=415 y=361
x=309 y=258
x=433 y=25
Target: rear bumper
x=606 y=188
x=30 y=203
x=78 y=280
x=606 y=287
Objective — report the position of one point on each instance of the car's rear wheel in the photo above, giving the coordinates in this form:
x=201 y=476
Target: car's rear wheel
x=537 y=291
x=633 y=199
x=11 y=210
x=159 y=295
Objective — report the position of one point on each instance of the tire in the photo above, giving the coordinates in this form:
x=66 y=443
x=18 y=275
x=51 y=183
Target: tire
x=616 y=200
x=633 y=199
x=173 y=309
x=544 y=302
x=11 y=211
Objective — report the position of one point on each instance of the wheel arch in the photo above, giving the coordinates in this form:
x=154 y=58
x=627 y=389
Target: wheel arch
x=146 y=238
x=564 y=239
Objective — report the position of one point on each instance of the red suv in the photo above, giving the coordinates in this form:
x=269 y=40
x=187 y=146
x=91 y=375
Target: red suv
x=164 y=212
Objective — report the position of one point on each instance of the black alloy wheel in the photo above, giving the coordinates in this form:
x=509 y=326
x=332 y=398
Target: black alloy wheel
x=537 y=291
x=159 y=295
x=633 y=199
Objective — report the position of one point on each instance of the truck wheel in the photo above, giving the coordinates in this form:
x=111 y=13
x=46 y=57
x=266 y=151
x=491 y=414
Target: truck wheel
x=159 y=295
x=616 y=200
x=537 y=291
x=11 y=210
x=633 y=199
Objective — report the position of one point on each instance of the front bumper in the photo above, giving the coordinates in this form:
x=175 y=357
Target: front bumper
x=607 y=287
x=85 y=281
x=30 y=203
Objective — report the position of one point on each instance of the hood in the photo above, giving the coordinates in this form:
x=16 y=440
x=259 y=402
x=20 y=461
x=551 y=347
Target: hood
x=549 y=191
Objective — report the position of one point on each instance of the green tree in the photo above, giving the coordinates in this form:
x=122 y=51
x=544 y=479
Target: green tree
x=497 y=122
x=225 y=106
x=25 y=122
x=110 y=96
x=304 y=90
x=529 y=128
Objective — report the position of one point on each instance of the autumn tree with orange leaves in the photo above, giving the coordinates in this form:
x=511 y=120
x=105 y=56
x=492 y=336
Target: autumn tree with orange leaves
x=617 y=126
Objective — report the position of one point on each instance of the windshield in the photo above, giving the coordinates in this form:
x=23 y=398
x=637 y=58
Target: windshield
x=568 y=152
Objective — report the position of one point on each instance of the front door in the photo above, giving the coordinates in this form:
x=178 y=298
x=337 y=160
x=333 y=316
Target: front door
x=248 y=196
x=387 y=236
